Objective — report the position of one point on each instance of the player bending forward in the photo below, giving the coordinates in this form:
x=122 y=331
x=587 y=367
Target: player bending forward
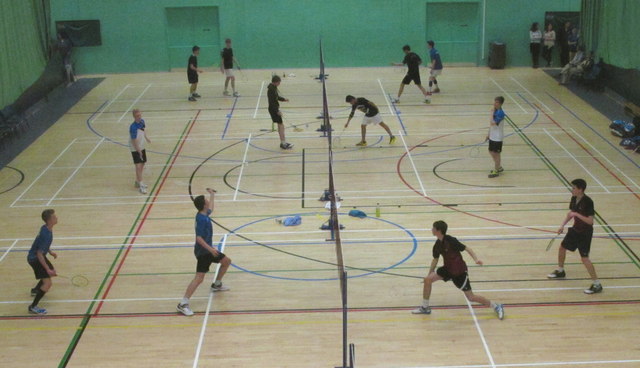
x=371 y=117
x=454 y=269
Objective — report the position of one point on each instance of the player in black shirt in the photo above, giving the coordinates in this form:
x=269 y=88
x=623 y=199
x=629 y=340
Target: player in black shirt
x=412 y=61
x=192 y=73
x=226 y=68
x=578 y=236
x=371 y=116
x=274 y=109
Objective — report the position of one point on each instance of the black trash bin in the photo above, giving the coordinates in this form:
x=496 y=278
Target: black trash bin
x=497 y=55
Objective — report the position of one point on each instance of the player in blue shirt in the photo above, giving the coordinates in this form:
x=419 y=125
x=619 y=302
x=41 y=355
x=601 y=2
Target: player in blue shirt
x=496 y=135
x=436 y=66
x=37 y=258
x=204 y=251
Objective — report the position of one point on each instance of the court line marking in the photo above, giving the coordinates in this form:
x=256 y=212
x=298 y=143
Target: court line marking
x=110 y=102
x=229 y=116
x=42 y=173
x=531 y=94
x=605 y=157
x=206 y=313
x=134 y=102
x=244 y=160
x=480 y=333
x=541 y=364
x=508 y=95
x=255 y=113
x=578 y=162
x=412 y=163
x=386 y=99
x=75 y=171
x=9 y=250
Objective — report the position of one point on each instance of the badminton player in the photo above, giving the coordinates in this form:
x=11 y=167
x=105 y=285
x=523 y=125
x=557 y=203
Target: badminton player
x=37 y=258
x=412 y=61
x=371 y=117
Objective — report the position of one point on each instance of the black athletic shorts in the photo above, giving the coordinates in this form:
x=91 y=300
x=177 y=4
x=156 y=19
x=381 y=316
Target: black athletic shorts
x=412 y=77
x=192 y=77
x=495 y=146
x=38 y=269
x=137 y=159
x=578 y=240
x=461 y=281
x=204 y=261
x=275 y=117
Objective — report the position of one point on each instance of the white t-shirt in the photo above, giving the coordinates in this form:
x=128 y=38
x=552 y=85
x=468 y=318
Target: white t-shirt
x=550 y=38
x=496 y=132
x=136 y=132
x=535 y=37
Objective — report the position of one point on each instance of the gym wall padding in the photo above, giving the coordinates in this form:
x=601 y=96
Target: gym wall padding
x=285 y=33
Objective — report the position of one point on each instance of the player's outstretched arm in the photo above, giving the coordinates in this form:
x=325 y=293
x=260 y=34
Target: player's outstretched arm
x=474 y=256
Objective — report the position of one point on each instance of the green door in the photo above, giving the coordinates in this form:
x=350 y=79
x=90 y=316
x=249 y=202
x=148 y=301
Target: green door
x=454 y=27
x=191 y=26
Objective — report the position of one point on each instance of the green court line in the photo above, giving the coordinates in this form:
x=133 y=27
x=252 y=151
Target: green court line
x=601 y=221
x=87 y=315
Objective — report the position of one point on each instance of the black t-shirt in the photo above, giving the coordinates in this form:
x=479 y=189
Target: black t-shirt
x=413 y=62
x=274 y=97
x=227 y=58
x=369 y=108
x=450 y=249
x=193 y=60
x=585 y=208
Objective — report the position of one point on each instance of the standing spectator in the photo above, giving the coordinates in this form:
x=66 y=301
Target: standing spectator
x=563 y=39
x=572 y=41
x=192 y=73
x=64 y=47
x=535 y=36
x=549 y=43
x=226 y=68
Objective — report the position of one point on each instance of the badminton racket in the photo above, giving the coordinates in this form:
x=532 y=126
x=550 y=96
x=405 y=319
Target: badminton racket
x=338 y=139
x=76 y=280
x=551 y=243
x=244 y=76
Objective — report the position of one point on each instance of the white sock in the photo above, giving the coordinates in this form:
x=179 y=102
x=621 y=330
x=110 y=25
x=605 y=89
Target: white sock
x=560 y=269
x=184 y=301
x=493 y=305
x=596 y=282
x=425 y=303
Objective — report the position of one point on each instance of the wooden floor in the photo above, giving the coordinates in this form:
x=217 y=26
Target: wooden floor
x=283 y=309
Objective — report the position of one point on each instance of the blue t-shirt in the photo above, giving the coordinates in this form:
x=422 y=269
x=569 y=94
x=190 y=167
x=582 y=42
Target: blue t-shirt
x=204 y=229
x=42 y=243
x=435 y=55
x=134 y=127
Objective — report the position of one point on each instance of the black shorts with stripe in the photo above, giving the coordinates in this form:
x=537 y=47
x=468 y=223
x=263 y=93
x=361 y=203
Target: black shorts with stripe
x=139 y=159
x=461 y=281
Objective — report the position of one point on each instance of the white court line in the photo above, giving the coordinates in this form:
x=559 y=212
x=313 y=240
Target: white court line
x=484 y=341
x=386 y=98
x=244 y=160
x=508 y=95
x=258 y=103
x=206 y=313
x=75 y=171
x=605 y=157
x=541 y=364
x=424 y=192
x=9 y=249
x=133 y=103
x=578 y=162
x=110 y=102
x=42 y=173
x=531 y=94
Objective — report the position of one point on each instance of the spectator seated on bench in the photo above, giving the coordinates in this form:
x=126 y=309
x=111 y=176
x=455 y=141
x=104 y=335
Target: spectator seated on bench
x=593 y=78
x=576 y=66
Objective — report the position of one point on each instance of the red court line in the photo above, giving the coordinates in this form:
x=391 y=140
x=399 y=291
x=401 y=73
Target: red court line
x=144 y=218
x=589 y=152
x=329 y=310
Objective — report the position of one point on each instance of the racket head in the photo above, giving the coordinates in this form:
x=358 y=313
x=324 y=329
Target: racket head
x=551 y=243
x=474 y=152
x=77 y=280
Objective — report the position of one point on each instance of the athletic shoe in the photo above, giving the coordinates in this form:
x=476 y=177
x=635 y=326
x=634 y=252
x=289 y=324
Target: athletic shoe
x=34 y=309
x=594 y=289
x=286 y=146
x=392 y=140
x=34 y=291
x=196 y=95
x=226 y=93
x=395 y=100
x=192 y=99
x=500 y=169
x=422 y=310
x=184 y=309
x=143 y=188
x=494 y=173
x=220 y=287
x=236 y=94
x=436 y=90
x=361 y=144
x=499 y=310
x=557 y=275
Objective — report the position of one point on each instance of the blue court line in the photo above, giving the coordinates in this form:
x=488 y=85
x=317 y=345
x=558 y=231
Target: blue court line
x=229 y=115
x=593 y=130
x=397 y=113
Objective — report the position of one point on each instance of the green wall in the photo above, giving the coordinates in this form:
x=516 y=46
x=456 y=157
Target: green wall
x=284 y=33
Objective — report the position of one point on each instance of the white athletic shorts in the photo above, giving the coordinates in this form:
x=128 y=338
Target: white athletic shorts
x=228 y=73
x=435 y=72
x=372 y=120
